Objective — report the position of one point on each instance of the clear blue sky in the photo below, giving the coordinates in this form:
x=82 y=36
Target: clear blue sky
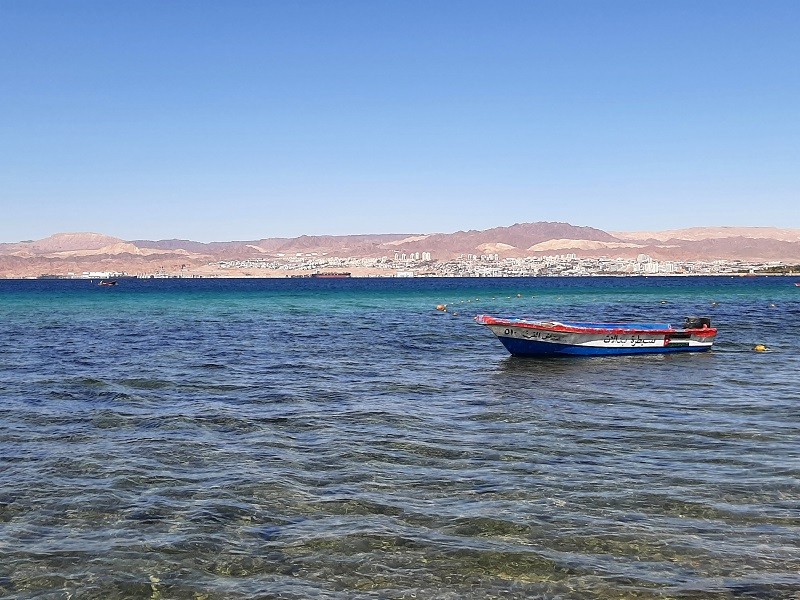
x=249 y=119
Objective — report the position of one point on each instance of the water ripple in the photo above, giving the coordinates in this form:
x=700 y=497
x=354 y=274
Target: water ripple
x=269 y=440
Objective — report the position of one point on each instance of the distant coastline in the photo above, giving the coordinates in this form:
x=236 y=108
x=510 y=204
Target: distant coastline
x=793 y=274
x=520 y=250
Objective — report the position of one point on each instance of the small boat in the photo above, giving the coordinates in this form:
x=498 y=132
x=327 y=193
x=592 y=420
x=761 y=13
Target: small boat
x=522 y=337
x=108 y=282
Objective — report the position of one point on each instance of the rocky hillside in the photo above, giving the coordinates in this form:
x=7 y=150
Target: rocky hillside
x=79 y=252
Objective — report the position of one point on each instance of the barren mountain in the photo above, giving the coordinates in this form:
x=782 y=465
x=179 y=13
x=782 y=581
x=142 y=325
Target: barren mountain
x=82 y=252
x=729 y=248
x=504 y=241
x=60 y=242
x=576 y=246
x=696 y=234
x=345 y=245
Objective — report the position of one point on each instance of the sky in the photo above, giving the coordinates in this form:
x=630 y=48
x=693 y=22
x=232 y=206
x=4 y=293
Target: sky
x=241 y=120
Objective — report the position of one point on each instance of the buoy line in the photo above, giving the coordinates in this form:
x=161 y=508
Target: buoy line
x=477 y=299
x=443 y=307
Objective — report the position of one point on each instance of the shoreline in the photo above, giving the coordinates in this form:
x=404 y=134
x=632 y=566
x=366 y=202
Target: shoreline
x=383 y=276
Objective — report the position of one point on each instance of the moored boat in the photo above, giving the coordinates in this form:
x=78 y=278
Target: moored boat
x=522 y=337
x=330 y=275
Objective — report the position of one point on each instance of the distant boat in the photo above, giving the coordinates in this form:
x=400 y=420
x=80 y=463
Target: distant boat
x=552 y=338
x=107 y=282
x=797 y=283
x=330 y=275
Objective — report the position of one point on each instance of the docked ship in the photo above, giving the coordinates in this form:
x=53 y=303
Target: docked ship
x=330 y=275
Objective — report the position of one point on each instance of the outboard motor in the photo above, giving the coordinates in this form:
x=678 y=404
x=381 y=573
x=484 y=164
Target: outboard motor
x=697 y=323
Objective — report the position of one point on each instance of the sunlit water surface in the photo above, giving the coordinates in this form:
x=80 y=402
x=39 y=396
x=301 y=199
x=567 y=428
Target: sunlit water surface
x=344 y=439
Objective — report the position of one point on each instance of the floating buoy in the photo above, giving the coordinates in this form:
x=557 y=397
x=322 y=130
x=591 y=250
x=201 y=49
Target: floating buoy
x=519 y=295
x=760 y=348
x=442 y=307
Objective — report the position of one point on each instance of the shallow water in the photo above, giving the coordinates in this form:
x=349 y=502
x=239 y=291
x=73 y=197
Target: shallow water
x=343 y=439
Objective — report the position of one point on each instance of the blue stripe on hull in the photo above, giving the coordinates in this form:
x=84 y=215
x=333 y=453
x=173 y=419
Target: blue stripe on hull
x=531 y=348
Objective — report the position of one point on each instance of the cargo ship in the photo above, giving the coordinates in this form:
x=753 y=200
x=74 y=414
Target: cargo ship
x=330 y=275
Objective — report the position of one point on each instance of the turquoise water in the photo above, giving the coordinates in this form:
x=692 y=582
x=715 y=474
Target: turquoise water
x=344 y=439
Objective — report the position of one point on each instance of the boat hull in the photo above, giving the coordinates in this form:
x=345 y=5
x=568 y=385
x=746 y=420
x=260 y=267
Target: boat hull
x=331 y=275
x=524 y=338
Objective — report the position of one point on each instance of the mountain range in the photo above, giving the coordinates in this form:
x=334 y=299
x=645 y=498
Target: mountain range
x=64 y=253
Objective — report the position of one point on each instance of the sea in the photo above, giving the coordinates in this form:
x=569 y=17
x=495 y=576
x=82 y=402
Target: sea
x=342 y=438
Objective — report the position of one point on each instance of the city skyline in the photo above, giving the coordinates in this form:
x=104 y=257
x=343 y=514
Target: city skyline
x=522 y=248
x=210 y=122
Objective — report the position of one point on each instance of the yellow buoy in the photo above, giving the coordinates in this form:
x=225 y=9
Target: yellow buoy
x=441 y=307
x=760 y=348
